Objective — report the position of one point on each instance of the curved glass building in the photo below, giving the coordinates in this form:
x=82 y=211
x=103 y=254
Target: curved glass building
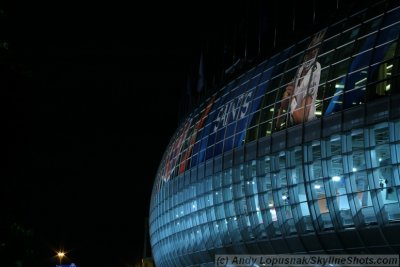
x=298 y=155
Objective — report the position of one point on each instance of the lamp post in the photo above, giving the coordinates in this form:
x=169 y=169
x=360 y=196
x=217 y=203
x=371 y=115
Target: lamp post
x=60 y=255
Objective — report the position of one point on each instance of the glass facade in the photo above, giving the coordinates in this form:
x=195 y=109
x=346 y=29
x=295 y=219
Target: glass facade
x=298 y=155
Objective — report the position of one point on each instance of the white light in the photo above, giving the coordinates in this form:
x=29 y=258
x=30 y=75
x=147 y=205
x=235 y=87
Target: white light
x=354 y=169
x=317 y=186
x=336 y=178
x=380 y=159
x=361 y=81
x=284 y=197
x=252 y=182
x=194 y=206
x=270 y=205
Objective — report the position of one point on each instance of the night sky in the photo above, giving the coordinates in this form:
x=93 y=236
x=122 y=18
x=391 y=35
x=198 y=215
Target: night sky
x=90 y=98
x=93 y=96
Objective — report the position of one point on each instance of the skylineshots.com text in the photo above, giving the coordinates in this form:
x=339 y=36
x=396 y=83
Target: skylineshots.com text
x=306 y=260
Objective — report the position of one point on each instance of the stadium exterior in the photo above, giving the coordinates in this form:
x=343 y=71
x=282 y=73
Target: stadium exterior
x=298 y=155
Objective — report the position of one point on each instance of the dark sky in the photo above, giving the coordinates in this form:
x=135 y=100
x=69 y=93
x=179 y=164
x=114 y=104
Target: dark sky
x=92 y=96
x=92 y=101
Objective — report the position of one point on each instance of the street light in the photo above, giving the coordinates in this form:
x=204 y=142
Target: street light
x=60 y=255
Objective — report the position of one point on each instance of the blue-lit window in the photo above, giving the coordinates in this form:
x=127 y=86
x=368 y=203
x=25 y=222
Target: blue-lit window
x=255 y=106
x=242 y=89
x=218 y=148
x=355 y=88
x=241 y=125
x=254 y=81
x=230 y=129
x=335 y=90
x=211 y=138
x=362 y=45
x=228 y=144
x=209 y=152
x=360 y=61
x=196 y=145
x=391 y=17
x=239 y=138
x=219 y=136
x=265 y=77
